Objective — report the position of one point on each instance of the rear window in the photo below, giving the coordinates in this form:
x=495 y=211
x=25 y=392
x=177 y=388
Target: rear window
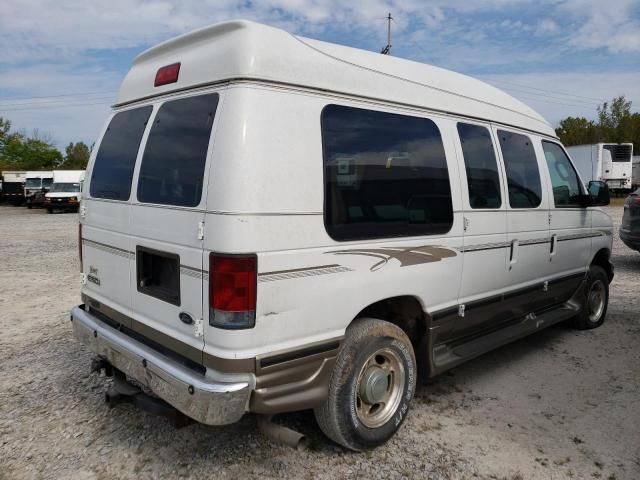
x=113 y=169
x=173 y=163
x=523 y=175
x=385 y=175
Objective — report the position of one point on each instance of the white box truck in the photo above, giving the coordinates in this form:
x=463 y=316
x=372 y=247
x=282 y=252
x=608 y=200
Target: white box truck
x=607 y=162
x=65 y=191
x=36 y=185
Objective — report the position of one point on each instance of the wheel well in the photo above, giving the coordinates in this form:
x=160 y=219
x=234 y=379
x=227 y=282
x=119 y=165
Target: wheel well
x=602 y=259
x=405 y=311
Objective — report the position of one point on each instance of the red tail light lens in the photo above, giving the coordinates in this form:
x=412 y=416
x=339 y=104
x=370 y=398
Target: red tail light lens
x=80 y=244
x=168 y=74
x=232 y=291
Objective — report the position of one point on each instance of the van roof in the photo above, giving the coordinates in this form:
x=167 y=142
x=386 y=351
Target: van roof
x=244 y=50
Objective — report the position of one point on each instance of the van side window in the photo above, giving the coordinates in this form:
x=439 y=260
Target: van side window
x=523 y=176
x=481 y=166
x=564 y=179
x=113 y=168
x=385 y=175
x=173 y=163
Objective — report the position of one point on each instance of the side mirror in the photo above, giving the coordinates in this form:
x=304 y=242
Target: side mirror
x=599 y=193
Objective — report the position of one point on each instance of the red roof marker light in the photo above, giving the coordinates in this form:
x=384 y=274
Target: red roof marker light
x=167 y=74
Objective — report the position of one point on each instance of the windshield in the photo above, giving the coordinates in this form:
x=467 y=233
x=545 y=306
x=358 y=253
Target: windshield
x=65 y=187
x=33 y=183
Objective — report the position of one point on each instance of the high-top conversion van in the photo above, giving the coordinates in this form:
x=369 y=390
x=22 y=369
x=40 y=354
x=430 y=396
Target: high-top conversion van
x=271 y=223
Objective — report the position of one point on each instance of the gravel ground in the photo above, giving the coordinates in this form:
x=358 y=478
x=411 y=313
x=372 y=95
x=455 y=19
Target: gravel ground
x=559 y=404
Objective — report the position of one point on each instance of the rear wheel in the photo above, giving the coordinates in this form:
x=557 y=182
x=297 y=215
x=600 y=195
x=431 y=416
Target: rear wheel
x=596 y=302
x=371 y=386
x=49 y=210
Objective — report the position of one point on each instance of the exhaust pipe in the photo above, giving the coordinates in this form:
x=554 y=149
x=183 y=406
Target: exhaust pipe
x=112 y=397
x=124 y=392
x=281 y=434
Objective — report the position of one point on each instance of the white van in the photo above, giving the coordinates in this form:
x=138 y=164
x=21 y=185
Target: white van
x=608 y=162
x=65 y=190
x=272 y=223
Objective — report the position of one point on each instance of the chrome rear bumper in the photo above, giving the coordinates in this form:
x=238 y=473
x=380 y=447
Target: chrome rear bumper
x=214 y=399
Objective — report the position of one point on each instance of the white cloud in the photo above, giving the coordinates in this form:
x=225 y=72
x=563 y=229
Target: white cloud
x=610 y=24
x=547 y=26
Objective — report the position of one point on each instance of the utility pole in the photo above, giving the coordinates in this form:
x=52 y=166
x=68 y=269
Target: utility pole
x=387 y=50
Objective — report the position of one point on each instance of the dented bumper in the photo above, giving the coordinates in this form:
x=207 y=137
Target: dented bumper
x=213 y=399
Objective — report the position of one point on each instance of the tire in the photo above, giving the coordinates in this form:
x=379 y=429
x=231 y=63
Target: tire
x=49 y=210
x=596 y=301
x=381 y=353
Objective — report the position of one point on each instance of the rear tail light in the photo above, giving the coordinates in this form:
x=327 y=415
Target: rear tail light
x=232 y=291
x=167 y=74
x=80 y=245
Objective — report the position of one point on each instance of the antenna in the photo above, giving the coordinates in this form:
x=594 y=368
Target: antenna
x=387 y=50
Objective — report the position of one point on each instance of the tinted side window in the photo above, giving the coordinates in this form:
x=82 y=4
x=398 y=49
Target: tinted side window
x=523 y=176
x=564 y=179
x=385 y=175
x=116 y=157
x=481 y=166
x=172 y=167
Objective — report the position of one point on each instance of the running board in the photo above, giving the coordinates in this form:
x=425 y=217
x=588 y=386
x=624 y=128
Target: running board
x=446 y=356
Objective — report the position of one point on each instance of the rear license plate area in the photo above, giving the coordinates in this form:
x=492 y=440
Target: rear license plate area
x=158 y=274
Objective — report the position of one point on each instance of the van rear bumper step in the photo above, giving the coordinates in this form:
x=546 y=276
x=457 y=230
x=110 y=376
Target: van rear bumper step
x=214 y=399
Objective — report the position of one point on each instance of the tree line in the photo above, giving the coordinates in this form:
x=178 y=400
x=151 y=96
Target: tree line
x=614 y=123
x=20 y=151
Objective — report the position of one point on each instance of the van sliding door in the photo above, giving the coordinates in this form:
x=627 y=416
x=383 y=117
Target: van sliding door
x=485 y=236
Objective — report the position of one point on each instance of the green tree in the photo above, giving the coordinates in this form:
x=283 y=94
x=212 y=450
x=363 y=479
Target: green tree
x=577 y=131
x=615 y=123
x=21 y=152
x=76 y=156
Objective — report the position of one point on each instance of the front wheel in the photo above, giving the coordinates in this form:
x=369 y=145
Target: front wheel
x=594 y=309
x=371 y=386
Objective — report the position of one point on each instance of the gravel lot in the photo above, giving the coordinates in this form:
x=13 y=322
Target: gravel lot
x=559 y=404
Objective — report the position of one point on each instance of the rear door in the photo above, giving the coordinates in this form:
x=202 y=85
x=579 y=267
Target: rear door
x=105 y=211
x=167 y=224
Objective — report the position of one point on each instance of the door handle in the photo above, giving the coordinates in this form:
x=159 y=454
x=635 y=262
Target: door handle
x=513 y=253
x=554 y=245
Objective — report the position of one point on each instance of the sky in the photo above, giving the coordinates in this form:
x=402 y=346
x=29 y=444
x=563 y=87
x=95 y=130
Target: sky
x=61 y=61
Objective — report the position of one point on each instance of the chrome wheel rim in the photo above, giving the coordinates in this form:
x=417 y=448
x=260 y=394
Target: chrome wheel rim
x=379 y=388
x=596 y=300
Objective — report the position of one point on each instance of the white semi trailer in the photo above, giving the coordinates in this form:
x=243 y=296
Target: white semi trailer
x=608 y=162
